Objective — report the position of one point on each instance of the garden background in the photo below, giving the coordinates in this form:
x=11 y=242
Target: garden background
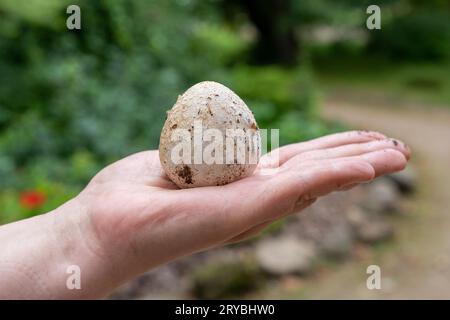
x=73 y=101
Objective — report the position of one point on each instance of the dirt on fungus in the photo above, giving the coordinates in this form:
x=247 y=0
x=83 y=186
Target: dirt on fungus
x=185 y=173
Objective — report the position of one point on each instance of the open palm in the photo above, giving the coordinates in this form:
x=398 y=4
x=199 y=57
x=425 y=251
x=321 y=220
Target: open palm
x=134 y=213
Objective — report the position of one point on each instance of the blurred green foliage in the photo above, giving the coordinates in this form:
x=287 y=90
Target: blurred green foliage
x=419 y=35
x=226 y=279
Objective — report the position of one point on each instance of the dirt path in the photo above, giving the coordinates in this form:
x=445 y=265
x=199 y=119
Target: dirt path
x=417 y=264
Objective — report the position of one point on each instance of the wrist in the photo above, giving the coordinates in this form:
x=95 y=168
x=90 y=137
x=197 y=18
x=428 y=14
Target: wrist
x=80 y=254
x=54 y=256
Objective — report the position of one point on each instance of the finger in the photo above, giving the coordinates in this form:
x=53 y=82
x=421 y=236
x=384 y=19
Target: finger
x=327 y=176
x=383 y=161
x=281 y=195
x=330 y=141
x=352 y=150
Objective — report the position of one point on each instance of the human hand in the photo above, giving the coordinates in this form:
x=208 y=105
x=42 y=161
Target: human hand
x=131 y=217
x=139 y=219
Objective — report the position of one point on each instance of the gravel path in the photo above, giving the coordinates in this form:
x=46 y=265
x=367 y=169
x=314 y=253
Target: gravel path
x=417 y=264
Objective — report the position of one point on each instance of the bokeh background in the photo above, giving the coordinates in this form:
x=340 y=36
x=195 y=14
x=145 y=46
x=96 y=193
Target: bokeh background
x=73 y=101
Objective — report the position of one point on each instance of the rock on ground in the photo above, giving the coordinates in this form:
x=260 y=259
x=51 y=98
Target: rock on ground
x=338 y=242
x=367 y=227
x=382 y=196
x=286 y=255
x=406 y=180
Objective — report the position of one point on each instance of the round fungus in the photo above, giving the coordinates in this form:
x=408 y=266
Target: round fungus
x=210 y=138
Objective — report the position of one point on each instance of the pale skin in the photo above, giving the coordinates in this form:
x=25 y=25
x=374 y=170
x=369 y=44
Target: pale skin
x=131 y=218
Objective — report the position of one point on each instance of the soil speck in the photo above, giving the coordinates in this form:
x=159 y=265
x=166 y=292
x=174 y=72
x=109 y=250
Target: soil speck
x=185 y=173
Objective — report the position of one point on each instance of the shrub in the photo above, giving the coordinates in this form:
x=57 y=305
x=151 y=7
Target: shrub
x=421 y=35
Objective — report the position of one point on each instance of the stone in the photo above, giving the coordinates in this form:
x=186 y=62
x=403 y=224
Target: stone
x=405 y=181
x=356 y=216
x=367 y=227
x=382 y=196
x=374 y=231
x=338 y=241
x=286 y=255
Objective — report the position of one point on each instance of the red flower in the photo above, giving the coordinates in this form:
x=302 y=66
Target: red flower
x=32 y=199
